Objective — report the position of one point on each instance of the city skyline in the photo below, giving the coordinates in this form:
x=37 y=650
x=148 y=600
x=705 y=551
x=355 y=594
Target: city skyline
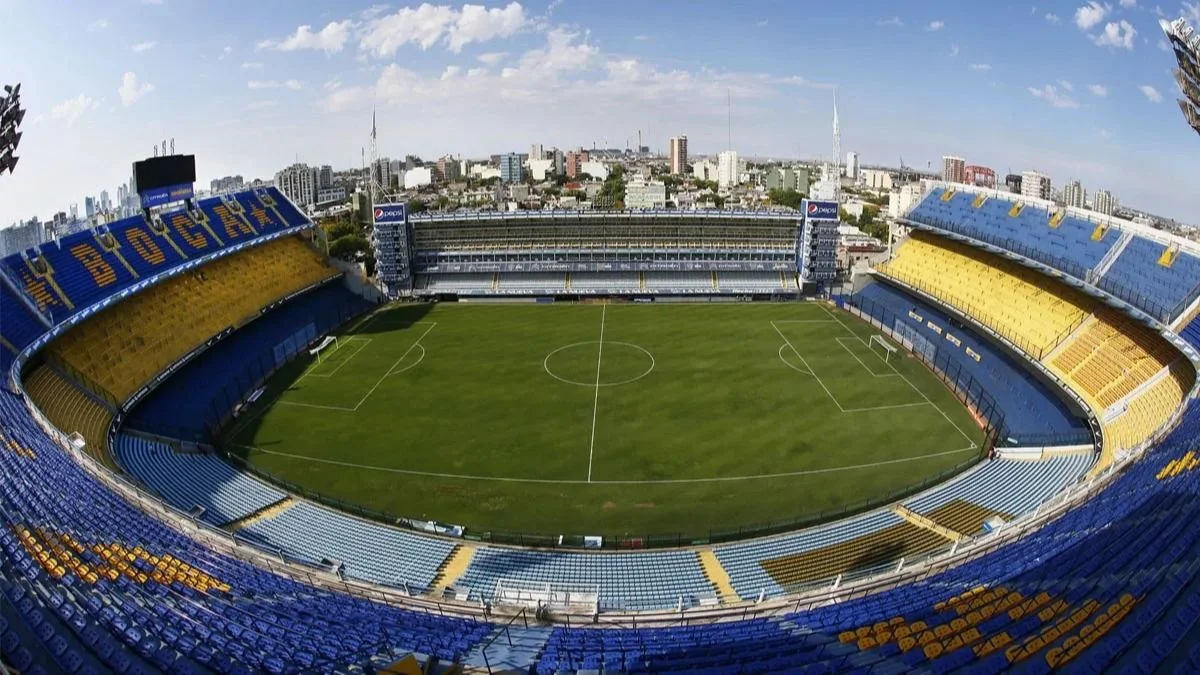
x=1087 y=95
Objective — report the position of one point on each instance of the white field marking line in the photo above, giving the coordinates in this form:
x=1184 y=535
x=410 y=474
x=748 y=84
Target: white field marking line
x=596 y=398
x=414 y=345
x=803 y=320
x=549 y=481
x=849 y=410
x=314 y=405
x=860 y=361
x=810 y=368
x=364 y=340
x=914 y=387
x=546 y=364
x=411 y=365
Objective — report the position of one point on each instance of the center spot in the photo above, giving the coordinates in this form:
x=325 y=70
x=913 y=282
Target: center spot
x=619 y=363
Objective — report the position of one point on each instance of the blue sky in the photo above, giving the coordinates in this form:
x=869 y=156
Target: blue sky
x=1078 y=90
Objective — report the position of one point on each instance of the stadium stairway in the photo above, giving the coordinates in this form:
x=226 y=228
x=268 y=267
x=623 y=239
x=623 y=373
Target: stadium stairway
x=269 y=511
x=452 y=568
x=509 y=649
x=927 y=523
x=717 y=575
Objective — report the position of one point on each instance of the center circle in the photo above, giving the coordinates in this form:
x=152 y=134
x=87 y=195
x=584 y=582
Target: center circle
x=596 y=364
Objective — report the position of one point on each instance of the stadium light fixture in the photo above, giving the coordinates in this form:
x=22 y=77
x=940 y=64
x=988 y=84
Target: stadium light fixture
x=11 y=116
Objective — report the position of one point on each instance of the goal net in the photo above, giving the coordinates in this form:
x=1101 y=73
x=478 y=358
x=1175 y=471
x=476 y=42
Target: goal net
x=881 y=348
x=320 y=348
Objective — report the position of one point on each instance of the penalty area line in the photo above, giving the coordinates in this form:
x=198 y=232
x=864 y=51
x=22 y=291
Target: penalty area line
x=663 y=481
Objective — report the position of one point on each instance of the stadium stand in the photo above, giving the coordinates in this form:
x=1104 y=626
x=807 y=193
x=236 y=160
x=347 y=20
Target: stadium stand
x=1111 y=586
x=1033 y=413
x=187 y=480
x=202 y=393
x=370 y=551
x=90 y=579
x=73 y=273
x=1109 y=357
x=1018 y=303
x=631 y=581
x=1131 y=264
x=814 y=557
x=122 y=351
x=20 y=327
x=93 y=583
x=71 y=409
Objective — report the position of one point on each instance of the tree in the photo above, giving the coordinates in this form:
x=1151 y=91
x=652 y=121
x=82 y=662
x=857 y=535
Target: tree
x=789 y=197
x=846 y=217
x=417 y=206
x=348 y=247
x=340 y=230
x=442 y=202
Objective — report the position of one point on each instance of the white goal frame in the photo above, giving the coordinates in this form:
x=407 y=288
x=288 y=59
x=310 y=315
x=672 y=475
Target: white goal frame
x=888 y=350
x=323 y=344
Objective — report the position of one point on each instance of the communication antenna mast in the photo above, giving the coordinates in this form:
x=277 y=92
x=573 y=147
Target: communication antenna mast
x=376 y=189
x=837 y=151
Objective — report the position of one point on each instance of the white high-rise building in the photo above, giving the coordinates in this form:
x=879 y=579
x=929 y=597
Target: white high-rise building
x=1104 y=202
x=678 y=153
x=1073 y=194
x=299 y=183
x=954 y=169
x=704 y=170
x=852 y=166
x=727 y=168
x=105 y=203
x=536 y=152
x=1035 y=184
x=645 y=194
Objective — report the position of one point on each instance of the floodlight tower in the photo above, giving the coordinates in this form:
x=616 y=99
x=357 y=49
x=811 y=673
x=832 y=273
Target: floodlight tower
x=11 y=116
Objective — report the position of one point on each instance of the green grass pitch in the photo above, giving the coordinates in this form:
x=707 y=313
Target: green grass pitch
x=617 y=419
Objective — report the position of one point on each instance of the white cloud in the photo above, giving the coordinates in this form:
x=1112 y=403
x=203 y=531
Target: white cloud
x=980 y=67
x=261 y=105
x=566 y=67
x=1191 y=11
x=1091 y=15
x=275 y=84
x=1098 y=90
x=761 y=24
x=894 y=21
x=330 y=39
x=1117 y=34
x=1066 y=84
x=1128 y=4
x=152 y=2
x=131 y=89
x=1164 y=45
x=1053 y=18
x=953 y=51
x=144 y=46
x=72 y=108
x=226 y=51
x=935 y=25
x=492 y=58
x=478 y=24
x=1151 y=93
x=372 y=12
x=423 y=26
x=641 y=38
x=97 y=25
x=428 y=24
x=1105 y=134
x=252 y=65
x=1052 y=96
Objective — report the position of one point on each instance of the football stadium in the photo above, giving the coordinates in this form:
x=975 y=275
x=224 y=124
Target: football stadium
x=647 y=440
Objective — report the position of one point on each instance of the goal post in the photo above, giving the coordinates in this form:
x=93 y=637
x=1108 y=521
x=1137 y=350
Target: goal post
x=319 y=349
x=878 y=344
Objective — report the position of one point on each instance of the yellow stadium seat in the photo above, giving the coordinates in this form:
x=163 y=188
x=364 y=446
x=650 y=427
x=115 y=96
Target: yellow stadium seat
x=123 y=348
x=1020 y=304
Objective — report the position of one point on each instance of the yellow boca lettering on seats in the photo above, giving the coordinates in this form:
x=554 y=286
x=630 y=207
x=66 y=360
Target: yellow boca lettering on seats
x=143 y=243
x=183 y=225
x=102 y=273
x=234 y=227
x=60 y=554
